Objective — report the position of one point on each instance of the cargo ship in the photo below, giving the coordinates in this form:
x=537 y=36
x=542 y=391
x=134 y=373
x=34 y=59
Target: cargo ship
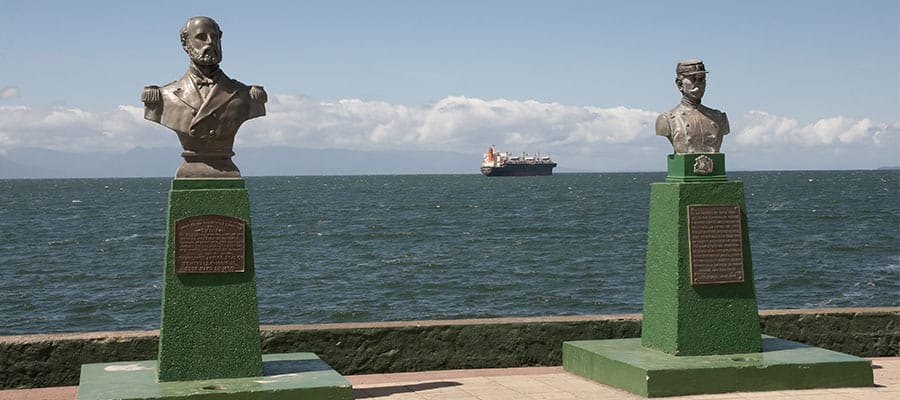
x=506 y=164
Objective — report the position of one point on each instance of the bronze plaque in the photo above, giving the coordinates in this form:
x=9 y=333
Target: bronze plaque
x=206 y=244
x=716 y=246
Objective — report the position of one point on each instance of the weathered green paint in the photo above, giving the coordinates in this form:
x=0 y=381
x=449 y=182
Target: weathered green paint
x=687 y=320
x=210 y=322
x=286 y=376
x=681 y=168
x=402 y=346
x=782 y=365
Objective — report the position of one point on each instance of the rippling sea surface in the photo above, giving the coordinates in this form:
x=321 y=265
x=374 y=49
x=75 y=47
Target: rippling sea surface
x=87 y=254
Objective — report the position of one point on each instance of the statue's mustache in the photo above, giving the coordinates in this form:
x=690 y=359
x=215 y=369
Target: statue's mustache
x=205 y=54
x=208 y=51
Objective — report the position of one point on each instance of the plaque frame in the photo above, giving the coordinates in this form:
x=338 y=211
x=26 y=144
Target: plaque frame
x=193 y=254
x=728 y=242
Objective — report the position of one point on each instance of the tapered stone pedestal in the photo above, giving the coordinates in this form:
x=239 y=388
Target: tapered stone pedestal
x=682 y=317
x=210 y=322
x=209 y=345
x=700 y=331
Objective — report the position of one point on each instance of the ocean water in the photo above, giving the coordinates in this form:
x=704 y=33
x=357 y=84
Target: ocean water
x=86 y=254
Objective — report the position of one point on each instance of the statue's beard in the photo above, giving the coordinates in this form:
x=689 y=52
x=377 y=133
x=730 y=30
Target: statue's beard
x=207 y=55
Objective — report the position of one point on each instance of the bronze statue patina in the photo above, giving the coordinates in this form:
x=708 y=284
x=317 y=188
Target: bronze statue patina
x=691 y=126
x=205 y=107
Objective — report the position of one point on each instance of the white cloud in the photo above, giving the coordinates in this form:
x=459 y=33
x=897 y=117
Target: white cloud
x=9 y=92
x=590 y=137
x=454 y=123
x=73 y=129
x=764 y=129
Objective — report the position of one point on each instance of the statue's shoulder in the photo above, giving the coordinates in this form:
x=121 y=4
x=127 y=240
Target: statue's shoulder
x=256 y=93
x=258 y=99
x=711 y=111
x=153 y=99
x=664 y=122
x=233 y=84
x=719 y=117
x=154 y=90
x=165 y=90
x=171 y=86
x=715 y=114
x=152 y=94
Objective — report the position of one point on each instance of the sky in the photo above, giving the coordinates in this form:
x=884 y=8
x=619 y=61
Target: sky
x=806 y=84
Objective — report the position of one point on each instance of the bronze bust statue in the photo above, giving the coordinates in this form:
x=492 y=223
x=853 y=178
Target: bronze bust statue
x=692 y=127
x=205 y=107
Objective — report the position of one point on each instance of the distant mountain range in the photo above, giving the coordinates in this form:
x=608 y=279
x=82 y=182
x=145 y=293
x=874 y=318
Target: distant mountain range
x=162 y=162
x=273 y=161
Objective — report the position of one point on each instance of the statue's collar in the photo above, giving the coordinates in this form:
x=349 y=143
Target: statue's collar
x=199 y=76
x=688 y=102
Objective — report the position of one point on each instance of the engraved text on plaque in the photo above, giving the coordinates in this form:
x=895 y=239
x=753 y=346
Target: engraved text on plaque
x=716 y=250
x=209 y=244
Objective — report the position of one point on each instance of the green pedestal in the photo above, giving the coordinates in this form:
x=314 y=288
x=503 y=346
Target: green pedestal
x=210 y=322
x=686 y=319
x=782 y=365
x=209 y=343
x=286 y=376
x=700 y=331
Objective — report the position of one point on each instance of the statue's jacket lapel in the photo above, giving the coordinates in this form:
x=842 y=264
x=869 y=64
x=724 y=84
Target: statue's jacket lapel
x=221 y=93
x=181 y=103
x=187 y=93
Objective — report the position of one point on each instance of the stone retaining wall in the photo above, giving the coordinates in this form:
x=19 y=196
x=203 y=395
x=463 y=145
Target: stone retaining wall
x=387 y=347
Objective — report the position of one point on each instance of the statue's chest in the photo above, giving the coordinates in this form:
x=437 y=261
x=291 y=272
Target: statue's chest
x=696 y=124
x=696 y=130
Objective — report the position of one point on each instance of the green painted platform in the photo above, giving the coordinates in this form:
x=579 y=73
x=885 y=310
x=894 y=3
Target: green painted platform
x=285 y=376
x=782 y=365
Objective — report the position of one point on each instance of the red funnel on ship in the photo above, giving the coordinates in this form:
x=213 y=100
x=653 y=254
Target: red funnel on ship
x=490 y=153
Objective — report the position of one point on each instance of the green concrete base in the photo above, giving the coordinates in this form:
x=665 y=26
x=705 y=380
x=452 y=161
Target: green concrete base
x=210 y=324
x=783 y=365
x=694 y=320
x=285 y=376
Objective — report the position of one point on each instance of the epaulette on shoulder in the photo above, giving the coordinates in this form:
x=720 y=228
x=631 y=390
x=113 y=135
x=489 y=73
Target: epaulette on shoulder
x=257 y=93
x=151 y=94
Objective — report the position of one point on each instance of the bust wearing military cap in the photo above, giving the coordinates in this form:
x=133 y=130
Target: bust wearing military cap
x=205 y=107
x=692 y=127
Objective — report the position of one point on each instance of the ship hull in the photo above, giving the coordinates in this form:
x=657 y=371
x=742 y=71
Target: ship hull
x=519 y=170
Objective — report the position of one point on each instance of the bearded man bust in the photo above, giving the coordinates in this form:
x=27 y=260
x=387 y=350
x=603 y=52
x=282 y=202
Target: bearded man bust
x=205 y=107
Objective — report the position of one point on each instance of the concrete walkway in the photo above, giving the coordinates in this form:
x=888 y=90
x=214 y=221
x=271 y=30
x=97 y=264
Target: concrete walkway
x=536 y=383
